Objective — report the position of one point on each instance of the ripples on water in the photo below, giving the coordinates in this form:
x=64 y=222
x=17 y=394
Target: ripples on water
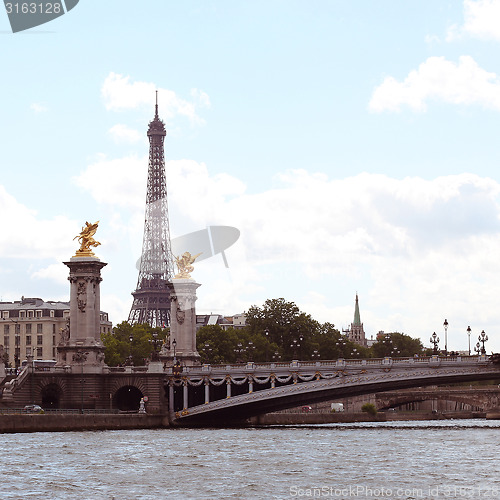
x=405 y=460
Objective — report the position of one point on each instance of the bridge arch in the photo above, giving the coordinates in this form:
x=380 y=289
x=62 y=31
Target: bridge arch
x=127 y=393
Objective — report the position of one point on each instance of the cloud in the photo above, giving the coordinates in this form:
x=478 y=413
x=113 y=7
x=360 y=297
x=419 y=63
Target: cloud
x=437 y=79
x=122 y=133
x=39 y=108
x=415 y=249
x=54 y=272
x=25 y=235
x=120 y=93
x=481 y=20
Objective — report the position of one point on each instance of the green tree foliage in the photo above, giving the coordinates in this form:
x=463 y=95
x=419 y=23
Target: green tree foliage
x=397 y=345
x=217 y=346
x=120 y=350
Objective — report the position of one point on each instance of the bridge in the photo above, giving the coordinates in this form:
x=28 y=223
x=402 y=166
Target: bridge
x=226 y=394
x=217 y=395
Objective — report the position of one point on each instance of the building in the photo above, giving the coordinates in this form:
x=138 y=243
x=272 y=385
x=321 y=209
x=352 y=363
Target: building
x=32 y=327
x=237 y=321
x=356 y=333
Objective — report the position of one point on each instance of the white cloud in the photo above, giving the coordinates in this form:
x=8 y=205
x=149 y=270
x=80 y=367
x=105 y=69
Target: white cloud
x=464 y=83
x=123 y=133
x=24 y=235
x=119 y=93
x=481 y=20
x=39 y=108
x=415 y=249
x=54 y=272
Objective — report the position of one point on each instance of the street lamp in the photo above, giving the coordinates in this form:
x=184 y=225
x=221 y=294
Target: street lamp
x=341 y=343
x=266 y=332
x=250 y=349
x=155 y=341
x=445 y=324
x=130 y=358
x=315 y=355
x=468 y=333
x=295 y=345
x=434 y=340
x=208 y=352
x=238 y=350
x=174 y=345
x=477 y=349
x=276 y=356
x=483 y=338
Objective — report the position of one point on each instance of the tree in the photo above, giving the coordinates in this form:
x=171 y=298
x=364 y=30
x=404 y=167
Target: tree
x=285 y=326
x=397 y=344
x=121 y=350
x=217 y=346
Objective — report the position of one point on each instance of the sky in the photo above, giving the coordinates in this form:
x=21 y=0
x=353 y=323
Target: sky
x=353 y=144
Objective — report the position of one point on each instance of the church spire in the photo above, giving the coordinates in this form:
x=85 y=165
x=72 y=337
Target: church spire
x=357 y=317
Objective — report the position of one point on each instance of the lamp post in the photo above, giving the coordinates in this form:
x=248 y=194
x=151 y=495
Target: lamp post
x=266 y=332
x=155 y=341
x=341 y=343
x=477 y=349
x=276 y=356
x=315 y=355
x=208 y=352
x=434 y=340
x=250 y=350
x=483 y=338
x=445 y=324
x=174 y=345
x=295 y=345
x=130 y=358
x=468 y=334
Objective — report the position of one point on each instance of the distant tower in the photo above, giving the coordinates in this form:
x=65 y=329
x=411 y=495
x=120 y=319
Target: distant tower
x=356 y=333
x=152 y=297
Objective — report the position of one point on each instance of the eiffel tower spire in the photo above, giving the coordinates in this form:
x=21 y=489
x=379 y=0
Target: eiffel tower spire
x=151 y=298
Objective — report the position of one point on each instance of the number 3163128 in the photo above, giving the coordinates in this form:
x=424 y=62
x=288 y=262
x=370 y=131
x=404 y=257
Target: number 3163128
x=33 y=8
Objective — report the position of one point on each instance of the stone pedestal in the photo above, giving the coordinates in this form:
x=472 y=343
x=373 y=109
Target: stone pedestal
x=81 y=340
x=182 y=324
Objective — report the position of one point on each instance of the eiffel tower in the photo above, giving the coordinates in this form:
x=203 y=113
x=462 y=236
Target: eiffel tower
x=151 y=298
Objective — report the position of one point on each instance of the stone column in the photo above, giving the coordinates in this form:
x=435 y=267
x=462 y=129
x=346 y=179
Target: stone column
x=182 y=323
x=81 y=343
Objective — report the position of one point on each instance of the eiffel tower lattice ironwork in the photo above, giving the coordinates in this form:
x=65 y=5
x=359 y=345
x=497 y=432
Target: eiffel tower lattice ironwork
x=151 y=298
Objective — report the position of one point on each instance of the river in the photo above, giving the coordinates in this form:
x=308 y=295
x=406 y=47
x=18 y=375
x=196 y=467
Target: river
x=404 y=460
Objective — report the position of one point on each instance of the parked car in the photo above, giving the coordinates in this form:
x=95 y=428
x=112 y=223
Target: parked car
x=306 y=408
x=33 y=409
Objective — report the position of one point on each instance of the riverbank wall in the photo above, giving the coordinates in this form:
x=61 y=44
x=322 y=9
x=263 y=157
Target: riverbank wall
x=74 y=422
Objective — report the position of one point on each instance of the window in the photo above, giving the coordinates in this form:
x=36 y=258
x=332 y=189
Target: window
x=38 y=314
x=30 y=314
x=54 y=328
x=53 y=340
x=28 y=351
x=18 y=329
x=52 y=313
x=6 y=341
x=28 y=339
x=6 y=329
x=18 y=340
x=39 y=352
x=53 y=353
x=28 y=329
x=22 y=314
x=66 y=314
x=39 y=339
x=5 y=314
x=39 y=328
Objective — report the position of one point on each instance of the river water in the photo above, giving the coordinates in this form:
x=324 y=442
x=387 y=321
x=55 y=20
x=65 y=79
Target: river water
x=404 y=460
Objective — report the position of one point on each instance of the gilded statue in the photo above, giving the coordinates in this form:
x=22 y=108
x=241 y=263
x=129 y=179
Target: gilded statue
x=184 y=265
x=86 y=240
